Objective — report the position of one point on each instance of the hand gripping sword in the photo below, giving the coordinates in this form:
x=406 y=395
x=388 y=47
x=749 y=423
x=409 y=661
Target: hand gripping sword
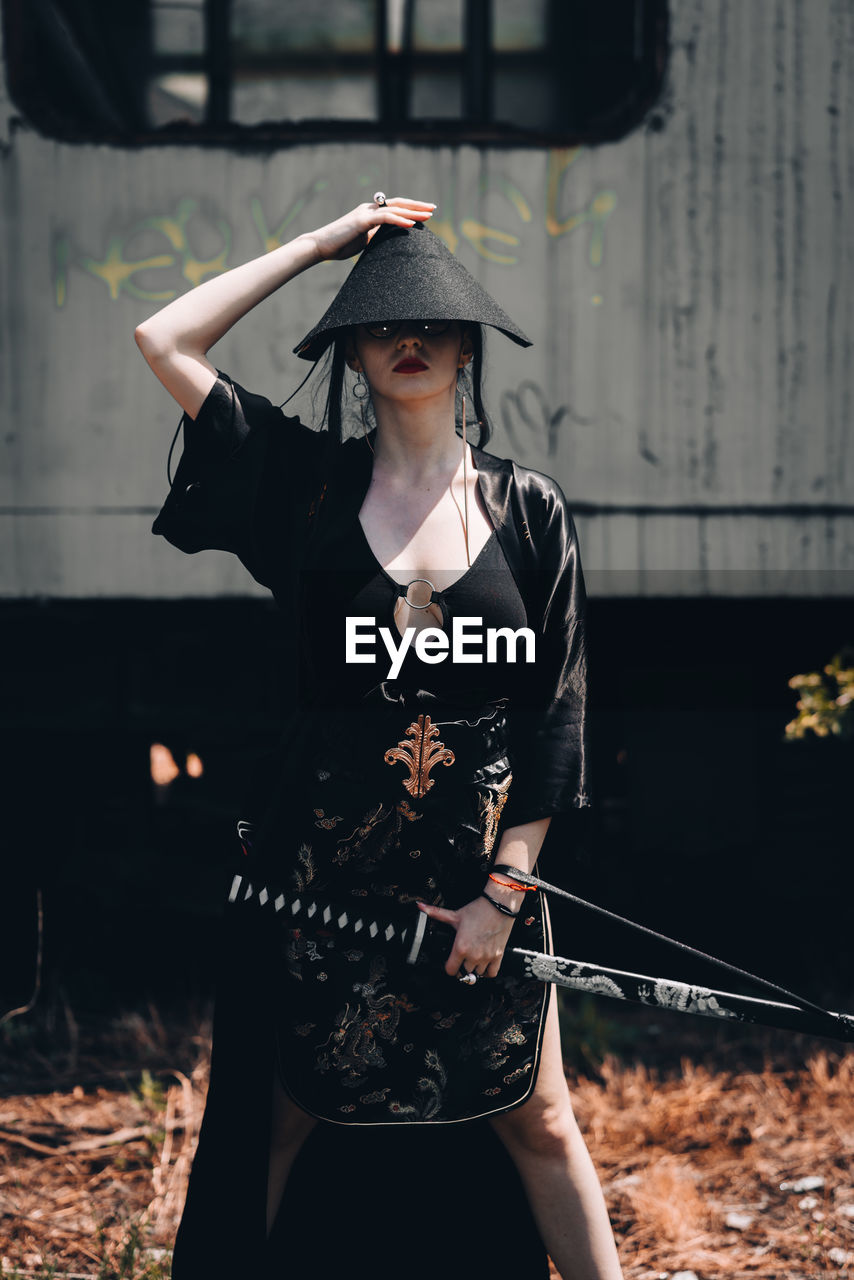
x=403 y=929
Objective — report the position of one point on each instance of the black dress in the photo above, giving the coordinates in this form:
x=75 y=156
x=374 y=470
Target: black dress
x=401 y=788
x=375 y=1040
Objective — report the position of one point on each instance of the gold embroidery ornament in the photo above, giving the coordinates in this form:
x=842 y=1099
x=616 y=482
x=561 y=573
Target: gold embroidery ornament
x=490 y=812
x=420 y=754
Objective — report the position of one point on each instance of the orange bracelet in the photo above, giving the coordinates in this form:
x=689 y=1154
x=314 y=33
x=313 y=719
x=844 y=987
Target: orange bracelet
x=513 y=884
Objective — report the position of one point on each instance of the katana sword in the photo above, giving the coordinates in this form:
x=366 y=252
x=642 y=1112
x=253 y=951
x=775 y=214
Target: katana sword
x=362 y=922
x=682 y=997
x=408 y=932
x=795 y=1012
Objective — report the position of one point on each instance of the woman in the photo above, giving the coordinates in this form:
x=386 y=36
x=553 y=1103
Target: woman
x=400 y=780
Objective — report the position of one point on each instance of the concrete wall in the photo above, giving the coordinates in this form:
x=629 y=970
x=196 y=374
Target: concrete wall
x=689 y=292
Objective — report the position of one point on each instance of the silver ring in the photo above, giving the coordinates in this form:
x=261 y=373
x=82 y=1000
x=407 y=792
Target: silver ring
x=379 y=198
x=412 y=584
x=468 y=978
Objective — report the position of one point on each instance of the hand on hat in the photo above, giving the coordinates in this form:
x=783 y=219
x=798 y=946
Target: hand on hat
x=350 y=234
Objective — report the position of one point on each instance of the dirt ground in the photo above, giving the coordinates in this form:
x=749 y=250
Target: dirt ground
x=702 y=1150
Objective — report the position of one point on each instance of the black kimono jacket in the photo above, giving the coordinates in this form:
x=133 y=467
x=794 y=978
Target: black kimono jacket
x=257 y=483
x=260 y=484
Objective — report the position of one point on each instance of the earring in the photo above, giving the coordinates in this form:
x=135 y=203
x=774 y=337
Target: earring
x=363 y=396
x=466 y=486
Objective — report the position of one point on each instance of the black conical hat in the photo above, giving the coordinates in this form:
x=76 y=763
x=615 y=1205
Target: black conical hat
x=407 y=273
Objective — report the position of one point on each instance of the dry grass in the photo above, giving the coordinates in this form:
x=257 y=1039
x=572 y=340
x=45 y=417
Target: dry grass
x=95 y=1155
x=678 y=1156
x=93 y=1174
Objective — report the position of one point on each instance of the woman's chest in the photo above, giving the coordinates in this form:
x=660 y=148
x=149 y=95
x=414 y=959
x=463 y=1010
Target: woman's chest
x=357 y=618
x=420 y=534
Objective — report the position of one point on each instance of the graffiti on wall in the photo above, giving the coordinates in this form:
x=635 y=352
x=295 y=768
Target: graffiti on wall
x=532 y=424
x=194 y=241
x=120 y=268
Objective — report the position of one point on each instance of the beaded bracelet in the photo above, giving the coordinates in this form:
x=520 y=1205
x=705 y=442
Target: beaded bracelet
x=499 y=906
x=513 y=884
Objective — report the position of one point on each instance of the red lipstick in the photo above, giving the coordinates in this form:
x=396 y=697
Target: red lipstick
x=410 y=365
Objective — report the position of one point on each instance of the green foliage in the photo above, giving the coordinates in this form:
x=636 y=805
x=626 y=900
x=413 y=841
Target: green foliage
x=150 y=1091
x=826 y=702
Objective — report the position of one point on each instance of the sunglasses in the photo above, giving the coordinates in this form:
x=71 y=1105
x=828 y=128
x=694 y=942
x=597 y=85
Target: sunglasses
x=424 y=328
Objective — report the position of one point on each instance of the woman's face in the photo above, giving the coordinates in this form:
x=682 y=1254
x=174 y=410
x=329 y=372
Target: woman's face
x=413 y=359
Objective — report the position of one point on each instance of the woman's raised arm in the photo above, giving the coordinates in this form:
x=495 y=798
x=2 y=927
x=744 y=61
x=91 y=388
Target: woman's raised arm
x=175 y=341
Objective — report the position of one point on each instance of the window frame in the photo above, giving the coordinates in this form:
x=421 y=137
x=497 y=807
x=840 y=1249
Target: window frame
x=478 y=63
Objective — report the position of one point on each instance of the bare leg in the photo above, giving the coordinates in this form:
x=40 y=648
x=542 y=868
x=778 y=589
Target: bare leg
x=290 y=1126
x=546 y=1146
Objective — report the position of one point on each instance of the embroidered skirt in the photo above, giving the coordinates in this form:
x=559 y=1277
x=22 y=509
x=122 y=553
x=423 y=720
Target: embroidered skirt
x=402 y=802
